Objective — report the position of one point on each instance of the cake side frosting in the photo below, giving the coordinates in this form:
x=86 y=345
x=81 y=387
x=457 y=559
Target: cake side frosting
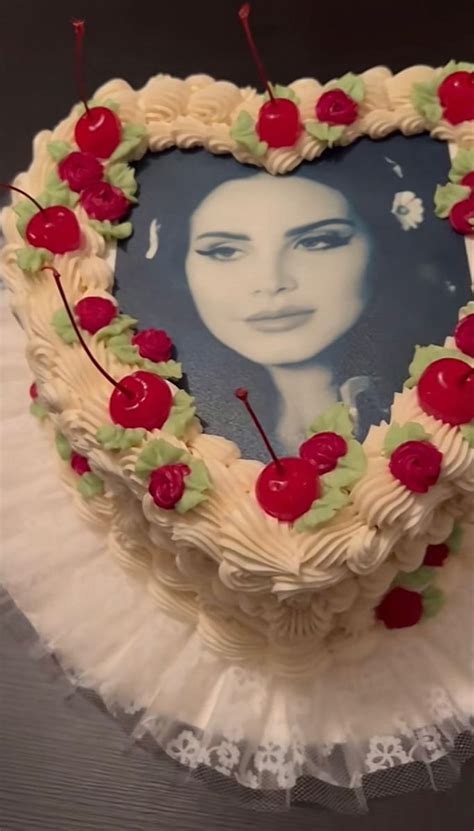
x=255 y=587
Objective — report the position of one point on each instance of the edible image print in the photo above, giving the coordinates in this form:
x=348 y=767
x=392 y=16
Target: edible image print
x=308 y=288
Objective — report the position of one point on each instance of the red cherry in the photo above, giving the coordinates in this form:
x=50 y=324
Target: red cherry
x=461 y=213
x=167 y=485
x=94 y=313
x=98 y=131
x=456 y=94
x=400 y=608
x=435 y=555
x=33 y=391
x=279 y=123
x=55 y=228
x=464 y=335
x=323 y=450
x=286 y=489
x=446 y=391
x=468 y=180
x=147 y=405
x=79 y=464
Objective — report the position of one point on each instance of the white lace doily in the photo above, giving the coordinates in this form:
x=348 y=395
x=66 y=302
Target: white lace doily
x=398 y=720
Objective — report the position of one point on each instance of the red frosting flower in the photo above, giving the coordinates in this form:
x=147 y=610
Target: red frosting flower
x=103 y=201
x=336 y=107
x=167 y=485
x=323 y=450
x=33 y=391
x=80 y=170
x=464 y=335
x=460 y=215
x=435 y=555
x=79 y=464
x=154 y=344
x=94 y=313
x=416 y=464
x=456 y=94
x=399 y=608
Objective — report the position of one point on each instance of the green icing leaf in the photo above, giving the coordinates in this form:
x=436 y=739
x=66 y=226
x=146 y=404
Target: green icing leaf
x=113 y=437
x=57 y=192
x=446 y=196
x=38 y=410
x=122 y=230
x=352 y=85
x=244 y=132
x=123 y=349
x=181 y=415
x=349 y=468
x=323 y=509
x=280 y=91
x=25 y=210
x=63 y=447
x=122 y=176
x=463 y=163
x=467 y=431
x=424 y=356
x=158 y=453
x=455 y=539
x=397 y=435
x=90 y=485
x=32 y=259
x=326 y=133
x=132 y=138
x=424 y=98
x=58 y=150
x=454 y=66
x=196 y=483
x=120 y=324
x=166 y=369
x=433 y=600
x=63 y=326
x=189 y=500
x=418 y=579
x=335 y=419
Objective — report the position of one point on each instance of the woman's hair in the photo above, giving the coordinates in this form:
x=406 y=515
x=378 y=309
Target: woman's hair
x=418 y=278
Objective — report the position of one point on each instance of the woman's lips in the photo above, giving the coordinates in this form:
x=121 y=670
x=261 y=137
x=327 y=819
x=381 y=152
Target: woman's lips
x=279 y=321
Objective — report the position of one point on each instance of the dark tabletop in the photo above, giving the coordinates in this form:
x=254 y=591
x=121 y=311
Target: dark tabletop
x=64 y=762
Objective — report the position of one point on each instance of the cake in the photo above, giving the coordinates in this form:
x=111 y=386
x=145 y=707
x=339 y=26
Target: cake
x=349 y=530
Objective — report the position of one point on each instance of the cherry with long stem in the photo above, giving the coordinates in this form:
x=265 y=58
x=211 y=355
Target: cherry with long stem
x=55 y=228
x=57 y=280
x=79 y=29
x=243 y=396
x=244 y=13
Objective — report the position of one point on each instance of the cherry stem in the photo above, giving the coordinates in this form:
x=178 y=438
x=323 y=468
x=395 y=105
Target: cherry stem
x=244 y=13
x=23 y=193
x=79 y=31
x=57 y=279
x=243 y=396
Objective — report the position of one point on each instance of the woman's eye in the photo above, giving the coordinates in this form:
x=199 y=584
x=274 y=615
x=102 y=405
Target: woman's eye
x=221 y=252
x=321 y=242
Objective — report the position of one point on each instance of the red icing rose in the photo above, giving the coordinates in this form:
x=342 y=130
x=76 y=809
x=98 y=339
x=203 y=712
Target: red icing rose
x=167 y=485
x=93 y=313
x=468 y=180
x=79 y=464
x=154 y=344
x=435 y=555
x=103 y=201
x=461 y=213
x=80 y=170
x=464 y=335
x=336 y=107
x=400 y=608
x=416 y=464
x=33 y=391
x=456 y=94
x=323 y=451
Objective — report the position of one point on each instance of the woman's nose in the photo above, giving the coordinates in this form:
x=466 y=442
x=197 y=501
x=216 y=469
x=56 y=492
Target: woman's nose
x=273 y=277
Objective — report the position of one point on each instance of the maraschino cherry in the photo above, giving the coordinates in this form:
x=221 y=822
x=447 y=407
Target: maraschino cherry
x=456 y=94
x=464 y=335
x=279 y=119
x=55 y=228
x=287 y=487
x=141 y=399
x=98 y=131
x=446 y=391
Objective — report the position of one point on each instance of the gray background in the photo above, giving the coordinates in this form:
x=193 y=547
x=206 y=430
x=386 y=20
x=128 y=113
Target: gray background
x=64 y=762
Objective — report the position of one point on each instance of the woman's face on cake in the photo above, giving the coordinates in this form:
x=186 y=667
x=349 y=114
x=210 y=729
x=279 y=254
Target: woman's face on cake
x=277 y=267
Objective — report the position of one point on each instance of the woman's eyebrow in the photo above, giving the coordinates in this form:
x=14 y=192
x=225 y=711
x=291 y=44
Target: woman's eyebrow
x=224 y=235
x=312 y=226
